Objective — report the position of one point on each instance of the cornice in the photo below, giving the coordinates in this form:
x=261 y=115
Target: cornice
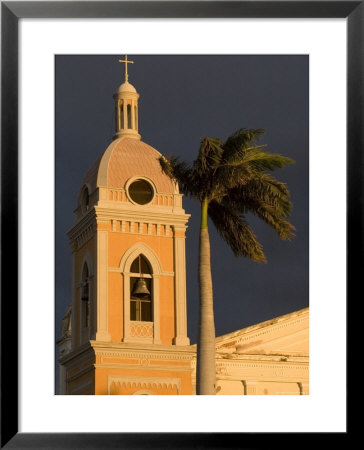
x=116 y=348
x=143 y=355
x=154 y=368
x=263 y=364
x=85 y=350
x=87 y=221
x=267 y=379
x=85 y=228
x=263 y=328
x=157 y=217
x=300 y=359
x=269 y=330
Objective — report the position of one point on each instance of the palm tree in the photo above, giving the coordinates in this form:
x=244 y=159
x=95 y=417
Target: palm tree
x=229 y=179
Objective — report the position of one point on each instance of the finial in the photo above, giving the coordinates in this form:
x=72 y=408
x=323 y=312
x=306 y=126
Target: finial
x=126 y=61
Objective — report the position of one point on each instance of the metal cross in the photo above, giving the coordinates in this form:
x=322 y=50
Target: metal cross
x=126 y=61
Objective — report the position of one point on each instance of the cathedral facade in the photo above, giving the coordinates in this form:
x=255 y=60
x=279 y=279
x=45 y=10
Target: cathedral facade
x=125 y=331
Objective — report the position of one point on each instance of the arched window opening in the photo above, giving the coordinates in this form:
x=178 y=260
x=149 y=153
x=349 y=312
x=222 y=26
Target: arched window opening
x=85 y=202
x=117 y=118
x=129 y=116
x=141 y=290
x=85 y=297
x=121 y=115
x=140 y=265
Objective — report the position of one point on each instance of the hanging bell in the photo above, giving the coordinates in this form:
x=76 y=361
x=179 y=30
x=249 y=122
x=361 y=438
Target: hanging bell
x=140 y=288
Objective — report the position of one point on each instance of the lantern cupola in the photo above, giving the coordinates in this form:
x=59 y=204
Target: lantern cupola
x=126 y=107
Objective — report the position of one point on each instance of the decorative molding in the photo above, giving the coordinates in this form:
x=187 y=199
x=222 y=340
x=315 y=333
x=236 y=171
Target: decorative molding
x=142 y=332
x=256 y=331
x=147 y=381
x=263 y=372
x=85 y=236
x=80 y=232
x=283 y=365
x=135 y=214
x=119 y=198
x=145 y=354
x=141 y=329
x=137 y=227
x=154 y=368
x=269 y=357
x=260 y=378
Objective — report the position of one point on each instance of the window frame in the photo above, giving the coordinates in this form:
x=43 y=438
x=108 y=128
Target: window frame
x=140 y=178
x=156 y=270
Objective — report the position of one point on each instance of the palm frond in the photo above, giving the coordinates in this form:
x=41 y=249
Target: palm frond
x=268 y=213
x=202 y=176
x=177 y=170
x=235 y=146
x=236 y=232
x=232 y=176
x=226 y=178
x=209 y=155
x=236 y=176
x=263 y=189
x=238 y=158
x=262 y=161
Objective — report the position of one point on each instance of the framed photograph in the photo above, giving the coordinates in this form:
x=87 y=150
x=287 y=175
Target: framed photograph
x=59 y=63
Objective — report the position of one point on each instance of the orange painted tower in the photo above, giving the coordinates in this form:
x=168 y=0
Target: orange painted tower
x=126 y=330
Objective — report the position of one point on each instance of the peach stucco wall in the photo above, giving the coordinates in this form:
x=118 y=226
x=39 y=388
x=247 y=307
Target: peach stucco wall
x=115 y=306
x=162 y=246
x=167 y=325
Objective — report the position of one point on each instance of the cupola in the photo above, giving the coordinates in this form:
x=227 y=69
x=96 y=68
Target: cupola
x=126 y=108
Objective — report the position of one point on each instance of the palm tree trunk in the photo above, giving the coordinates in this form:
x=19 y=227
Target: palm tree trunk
x=206 y=371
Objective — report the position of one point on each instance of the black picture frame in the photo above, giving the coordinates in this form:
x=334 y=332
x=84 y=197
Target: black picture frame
x=11 y=13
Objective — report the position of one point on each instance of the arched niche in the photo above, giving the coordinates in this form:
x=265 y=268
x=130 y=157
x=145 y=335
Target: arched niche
x=141 y=331
x=86 y=297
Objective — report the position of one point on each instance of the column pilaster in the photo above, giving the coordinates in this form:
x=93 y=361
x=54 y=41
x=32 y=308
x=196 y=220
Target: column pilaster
x=180 y=287
x=102 y=333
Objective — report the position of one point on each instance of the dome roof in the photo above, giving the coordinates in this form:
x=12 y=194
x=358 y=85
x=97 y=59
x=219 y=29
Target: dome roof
x=126 y=87
x=127 y=158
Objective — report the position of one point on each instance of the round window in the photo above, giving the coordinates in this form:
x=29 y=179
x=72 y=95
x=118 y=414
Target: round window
x=141 y=192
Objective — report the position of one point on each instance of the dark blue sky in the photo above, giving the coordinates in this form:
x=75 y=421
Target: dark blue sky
x=182 y=100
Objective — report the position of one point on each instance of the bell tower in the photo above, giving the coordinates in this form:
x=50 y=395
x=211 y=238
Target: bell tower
x=128 y=320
